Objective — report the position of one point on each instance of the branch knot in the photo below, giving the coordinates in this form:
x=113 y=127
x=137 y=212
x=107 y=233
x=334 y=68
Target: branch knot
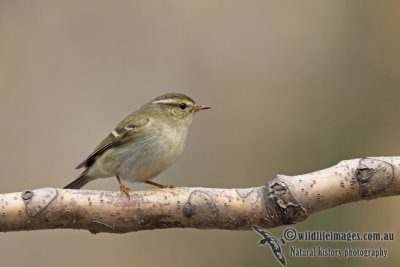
x=283 y=207
x=374 y=176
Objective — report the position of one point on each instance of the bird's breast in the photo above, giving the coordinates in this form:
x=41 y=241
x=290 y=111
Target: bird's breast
x=147 y=156
x=175 y=139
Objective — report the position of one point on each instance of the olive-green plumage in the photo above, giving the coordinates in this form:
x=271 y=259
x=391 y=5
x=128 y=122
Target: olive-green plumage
x=144 y=144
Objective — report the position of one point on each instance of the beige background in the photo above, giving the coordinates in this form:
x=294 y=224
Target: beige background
x=296 y=86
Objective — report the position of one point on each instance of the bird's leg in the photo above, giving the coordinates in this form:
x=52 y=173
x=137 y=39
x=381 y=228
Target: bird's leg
x=123 y=188
x=159 y=185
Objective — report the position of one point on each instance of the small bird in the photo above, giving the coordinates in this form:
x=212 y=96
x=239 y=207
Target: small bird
x=273 y=242
x=144 y=144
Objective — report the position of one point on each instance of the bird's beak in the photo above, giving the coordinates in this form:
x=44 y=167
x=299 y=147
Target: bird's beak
x=200 y=107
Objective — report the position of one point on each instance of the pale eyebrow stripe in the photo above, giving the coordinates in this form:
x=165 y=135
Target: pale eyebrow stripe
x=165 y=101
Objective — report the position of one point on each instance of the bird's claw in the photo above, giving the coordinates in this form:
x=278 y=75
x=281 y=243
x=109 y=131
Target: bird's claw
x=124 y=189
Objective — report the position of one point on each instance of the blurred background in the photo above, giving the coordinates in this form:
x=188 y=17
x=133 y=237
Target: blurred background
x=295 y=86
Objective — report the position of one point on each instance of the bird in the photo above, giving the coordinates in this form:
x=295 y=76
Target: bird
x=272 y=242
x=143 y=144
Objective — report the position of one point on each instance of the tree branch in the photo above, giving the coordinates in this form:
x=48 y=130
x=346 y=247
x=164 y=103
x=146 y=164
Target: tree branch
x=284 y=200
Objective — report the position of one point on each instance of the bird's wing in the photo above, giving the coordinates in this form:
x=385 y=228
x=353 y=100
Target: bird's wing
x=260 y=230
x=123 y=133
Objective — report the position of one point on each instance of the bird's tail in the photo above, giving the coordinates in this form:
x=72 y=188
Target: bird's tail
x=79 y=182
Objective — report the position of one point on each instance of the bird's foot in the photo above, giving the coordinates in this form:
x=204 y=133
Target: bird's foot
x=124 y=189
x=160 y=185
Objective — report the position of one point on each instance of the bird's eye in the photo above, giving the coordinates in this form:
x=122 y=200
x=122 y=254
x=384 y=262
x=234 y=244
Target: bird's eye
x=182 y=105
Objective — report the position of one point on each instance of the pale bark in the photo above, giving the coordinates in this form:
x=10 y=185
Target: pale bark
x=283 y=200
